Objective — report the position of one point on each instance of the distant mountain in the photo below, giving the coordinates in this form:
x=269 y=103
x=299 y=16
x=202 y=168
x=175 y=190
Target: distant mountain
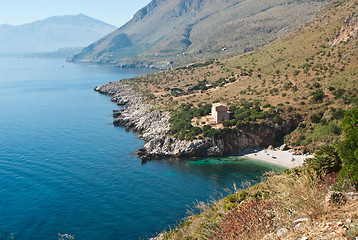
x=52 y=33
x=178 y=32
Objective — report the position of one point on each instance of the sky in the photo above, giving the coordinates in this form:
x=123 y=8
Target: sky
x=115 y=12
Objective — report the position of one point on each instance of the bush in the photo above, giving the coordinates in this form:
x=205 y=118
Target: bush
x=212 y=133
x=348 y=149
x=316 y=85
x=200 y=86
x=181 y=126
x=229 y=123
x=195 y=131
x=339 y=93
x=331 y=88
x=339 y=114
x=318 y=96
x=315 y=118
x=323 y=133
x=252 y=219
x=326 y=161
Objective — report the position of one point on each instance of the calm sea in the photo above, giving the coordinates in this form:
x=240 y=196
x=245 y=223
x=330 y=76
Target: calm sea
x=63 y=169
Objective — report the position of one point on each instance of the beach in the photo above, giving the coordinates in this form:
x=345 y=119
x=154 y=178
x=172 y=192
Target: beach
x=283 y=158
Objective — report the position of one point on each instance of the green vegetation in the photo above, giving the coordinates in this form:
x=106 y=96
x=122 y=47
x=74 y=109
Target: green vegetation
x=348 y=149
x=274 y=203
x=326 y=161
x=244 y=115
x=310 y=82
x=306 y=81
x=181 y=126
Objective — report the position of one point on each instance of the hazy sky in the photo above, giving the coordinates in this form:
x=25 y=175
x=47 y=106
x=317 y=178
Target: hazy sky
x=115 y=12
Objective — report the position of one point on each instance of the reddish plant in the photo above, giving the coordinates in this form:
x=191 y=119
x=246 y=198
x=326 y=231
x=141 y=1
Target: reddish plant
x=248 y=220
x=328 y=181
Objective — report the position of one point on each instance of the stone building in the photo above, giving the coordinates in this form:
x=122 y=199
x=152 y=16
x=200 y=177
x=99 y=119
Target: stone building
x=220 y=112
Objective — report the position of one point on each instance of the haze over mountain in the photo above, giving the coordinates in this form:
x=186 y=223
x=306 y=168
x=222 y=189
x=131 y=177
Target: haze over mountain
x=178 y=32
x=52 y=33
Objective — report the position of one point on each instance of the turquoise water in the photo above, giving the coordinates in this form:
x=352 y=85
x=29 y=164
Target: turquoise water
x=63 y=169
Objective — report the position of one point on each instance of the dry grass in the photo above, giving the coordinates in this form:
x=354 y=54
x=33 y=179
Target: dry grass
x=298 y=194
x=261 y=210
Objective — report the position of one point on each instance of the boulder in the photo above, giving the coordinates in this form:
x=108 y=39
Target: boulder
x=284 y=147
x=335 y=198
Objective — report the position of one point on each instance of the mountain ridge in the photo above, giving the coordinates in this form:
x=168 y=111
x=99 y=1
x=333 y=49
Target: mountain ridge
x=173 y=33
x=52 y=33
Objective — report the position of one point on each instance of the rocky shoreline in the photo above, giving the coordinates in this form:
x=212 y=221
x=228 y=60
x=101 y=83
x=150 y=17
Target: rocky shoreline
x=152 y=126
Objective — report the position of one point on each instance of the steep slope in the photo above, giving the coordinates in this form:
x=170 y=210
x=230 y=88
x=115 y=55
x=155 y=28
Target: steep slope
x=178 y=32
x=52 y=33
x=309 y=76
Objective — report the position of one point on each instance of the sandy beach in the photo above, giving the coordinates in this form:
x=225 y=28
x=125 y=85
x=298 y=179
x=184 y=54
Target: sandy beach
x=283 y=158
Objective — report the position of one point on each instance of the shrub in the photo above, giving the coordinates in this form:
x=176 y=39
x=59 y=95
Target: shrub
x=348 y=149
x=195 y=131
x=331 y=88
x=339 y=93
x=206 y=127
x=339 y=114
x=318 y=96
x=200 y=86
x=326 y=161
x=315 y=118
x=243 y=195
x=323 y=133
x=212 y=133
x=252 y=219
x=229 y=123
x=231 y=198
x=316 y=85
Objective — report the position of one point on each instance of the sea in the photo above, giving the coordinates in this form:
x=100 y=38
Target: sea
x=65 y=170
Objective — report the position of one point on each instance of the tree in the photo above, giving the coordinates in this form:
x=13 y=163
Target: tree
x=348 y=149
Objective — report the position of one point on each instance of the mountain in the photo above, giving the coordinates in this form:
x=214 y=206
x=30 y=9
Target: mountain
x=52 y=33
x=178 y=32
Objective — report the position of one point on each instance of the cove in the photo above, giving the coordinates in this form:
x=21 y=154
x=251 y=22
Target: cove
x=64 y=169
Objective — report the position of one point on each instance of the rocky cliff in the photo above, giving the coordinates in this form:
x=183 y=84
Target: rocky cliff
x=152 y=126
x=348 y=30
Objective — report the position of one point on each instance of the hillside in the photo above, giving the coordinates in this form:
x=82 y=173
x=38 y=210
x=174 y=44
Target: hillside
x=309 y=75
x=52 y=33
x=306 y=83
x=177 y=32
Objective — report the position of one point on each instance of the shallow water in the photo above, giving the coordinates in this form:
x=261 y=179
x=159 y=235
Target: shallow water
x=63 y=169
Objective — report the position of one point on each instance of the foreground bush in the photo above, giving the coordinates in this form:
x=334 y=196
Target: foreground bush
x=348 y=149
x=326 y=161
x=251 y=220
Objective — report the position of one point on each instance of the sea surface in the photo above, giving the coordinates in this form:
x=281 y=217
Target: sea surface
x=64 y=169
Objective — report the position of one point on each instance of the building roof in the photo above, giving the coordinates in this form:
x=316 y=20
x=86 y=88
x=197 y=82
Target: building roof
x=218 y=104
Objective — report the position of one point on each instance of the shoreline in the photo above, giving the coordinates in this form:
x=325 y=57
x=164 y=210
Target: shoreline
x=152 y=127
x=285 y=158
